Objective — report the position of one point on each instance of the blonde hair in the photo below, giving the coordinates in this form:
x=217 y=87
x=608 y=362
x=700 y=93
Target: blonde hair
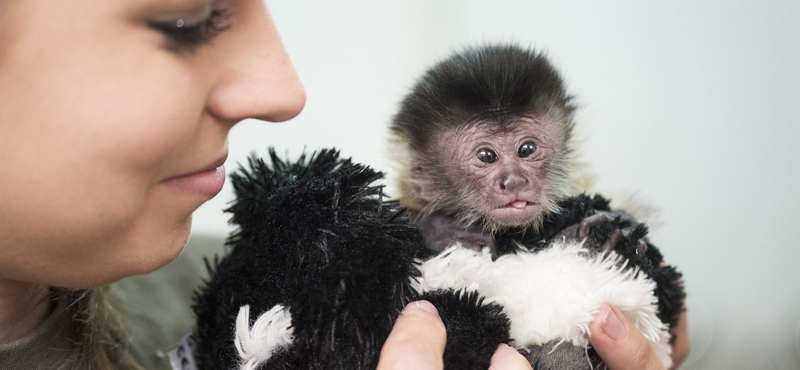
x=101 y=335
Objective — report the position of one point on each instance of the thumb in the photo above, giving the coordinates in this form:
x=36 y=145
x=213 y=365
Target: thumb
x=619 y=343
x=417 y=340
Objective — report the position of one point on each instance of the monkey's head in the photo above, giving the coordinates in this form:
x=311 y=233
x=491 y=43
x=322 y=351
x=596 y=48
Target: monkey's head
x=488 y=135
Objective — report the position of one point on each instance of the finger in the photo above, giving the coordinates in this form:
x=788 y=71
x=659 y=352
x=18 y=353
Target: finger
x=620 y=344
x=589 y=222
x=681 y=345
x=612 y=241
x=680 y=348
x=507 y=358
x=417 y=340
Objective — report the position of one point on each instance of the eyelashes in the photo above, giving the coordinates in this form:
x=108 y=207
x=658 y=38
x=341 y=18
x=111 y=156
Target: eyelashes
x=183 y=36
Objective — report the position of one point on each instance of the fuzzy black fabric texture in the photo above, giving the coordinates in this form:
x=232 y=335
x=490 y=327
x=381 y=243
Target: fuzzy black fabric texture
x=317 y=236
x=474 y=329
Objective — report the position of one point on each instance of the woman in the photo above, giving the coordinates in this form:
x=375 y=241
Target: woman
x=113 y=124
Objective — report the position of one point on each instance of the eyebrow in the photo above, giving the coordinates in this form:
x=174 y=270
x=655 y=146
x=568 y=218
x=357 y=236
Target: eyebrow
x=174 y=8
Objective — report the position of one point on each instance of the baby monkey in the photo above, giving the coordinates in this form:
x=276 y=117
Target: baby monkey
x=487 y=142
x=488 y=133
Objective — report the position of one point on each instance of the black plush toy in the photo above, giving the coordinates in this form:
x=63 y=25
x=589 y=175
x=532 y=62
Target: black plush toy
x=322 y=264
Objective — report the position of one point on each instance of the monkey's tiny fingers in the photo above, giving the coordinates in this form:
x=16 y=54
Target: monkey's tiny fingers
x=612 y=241
x=589 y=222
x=507 y=358
x=641 y=247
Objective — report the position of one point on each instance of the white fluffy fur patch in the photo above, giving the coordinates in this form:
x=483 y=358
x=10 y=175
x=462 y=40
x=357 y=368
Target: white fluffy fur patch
x=552 y=294
x=271 y=331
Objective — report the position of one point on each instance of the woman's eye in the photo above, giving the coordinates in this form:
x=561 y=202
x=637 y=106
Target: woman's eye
x=526 y=149
x=189 y=36
x=487 y=156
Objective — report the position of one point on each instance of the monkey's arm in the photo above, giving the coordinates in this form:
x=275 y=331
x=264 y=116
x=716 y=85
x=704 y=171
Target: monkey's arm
x=441 y=231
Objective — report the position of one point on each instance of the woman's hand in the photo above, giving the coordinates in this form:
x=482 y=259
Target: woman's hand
x=623 y=347
x=418 y=338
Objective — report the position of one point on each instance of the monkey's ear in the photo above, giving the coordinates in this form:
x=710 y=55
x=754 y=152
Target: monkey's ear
x=421 y=186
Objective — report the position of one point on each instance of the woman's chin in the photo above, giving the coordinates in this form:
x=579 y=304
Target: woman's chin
x=167 y=248
x=144 y=254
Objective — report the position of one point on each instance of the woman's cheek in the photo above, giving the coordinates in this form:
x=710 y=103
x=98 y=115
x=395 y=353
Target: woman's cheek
x=146 y=144
x=101 y=196
x=97 y=182
x=93 y=128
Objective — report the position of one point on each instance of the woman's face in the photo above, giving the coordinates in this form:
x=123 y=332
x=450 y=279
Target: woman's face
x=107 y=108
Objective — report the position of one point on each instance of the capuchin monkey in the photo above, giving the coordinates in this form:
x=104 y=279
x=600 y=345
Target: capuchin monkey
x=488 y=140
x=486 y=146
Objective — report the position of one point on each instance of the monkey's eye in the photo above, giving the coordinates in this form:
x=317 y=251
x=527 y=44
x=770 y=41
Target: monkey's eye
x=526 y=149
x=486 y=155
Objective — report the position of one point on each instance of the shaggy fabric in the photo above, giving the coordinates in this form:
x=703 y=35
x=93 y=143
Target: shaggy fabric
x=315 y=236
x=474 y=327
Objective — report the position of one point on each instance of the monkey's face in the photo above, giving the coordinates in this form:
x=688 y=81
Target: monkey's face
x=499 y=177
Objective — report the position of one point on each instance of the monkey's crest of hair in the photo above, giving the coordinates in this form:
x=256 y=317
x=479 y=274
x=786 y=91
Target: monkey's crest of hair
x=492 y=85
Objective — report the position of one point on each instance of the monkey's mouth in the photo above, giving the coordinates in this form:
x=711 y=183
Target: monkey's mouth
x=515 y=212
x=518 y=204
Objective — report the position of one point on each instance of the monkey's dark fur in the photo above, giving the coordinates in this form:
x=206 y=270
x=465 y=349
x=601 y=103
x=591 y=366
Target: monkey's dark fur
x=498 y=83
x=318 y=236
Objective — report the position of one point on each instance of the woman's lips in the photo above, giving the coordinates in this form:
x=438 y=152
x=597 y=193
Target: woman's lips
x=207 y=182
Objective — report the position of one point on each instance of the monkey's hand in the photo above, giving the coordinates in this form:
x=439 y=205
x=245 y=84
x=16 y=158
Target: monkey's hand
x=441 y=232
x=605 y=229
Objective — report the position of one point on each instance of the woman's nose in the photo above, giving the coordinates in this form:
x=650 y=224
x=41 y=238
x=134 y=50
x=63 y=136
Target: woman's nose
x=255 y=78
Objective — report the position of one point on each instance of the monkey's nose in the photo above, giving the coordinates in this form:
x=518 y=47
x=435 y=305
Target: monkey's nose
x=513 y=182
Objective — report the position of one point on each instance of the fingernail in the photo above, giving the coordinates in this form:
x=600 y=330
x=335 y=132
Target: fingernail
x=420 y=305
x=612 y=325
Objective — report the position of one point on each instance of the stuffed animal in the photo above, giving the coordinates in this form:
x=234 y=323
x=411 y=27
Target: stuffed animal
x=321 y=265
